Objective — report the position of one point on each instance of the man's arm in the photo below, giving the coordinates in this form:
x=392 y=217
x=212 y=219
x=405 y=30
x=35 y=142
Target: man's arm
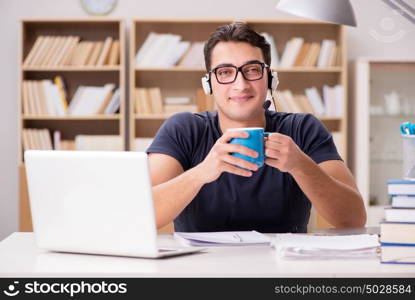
x=174 y=189
x=329 y=185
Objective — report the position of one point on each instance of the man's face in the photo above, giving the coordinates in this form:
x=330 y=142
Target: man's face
x=241 y=100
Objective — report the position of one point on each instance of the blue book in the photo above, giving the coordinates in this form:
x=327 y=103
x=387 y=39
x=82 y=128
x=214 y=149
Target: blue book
x=403 y=201
x=397 y=233
x=393 y=253
x=401 y=187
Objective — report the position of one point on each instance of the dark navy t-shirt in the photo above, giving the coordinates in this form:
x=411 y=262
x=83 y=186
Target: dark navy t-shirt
x=269 y=200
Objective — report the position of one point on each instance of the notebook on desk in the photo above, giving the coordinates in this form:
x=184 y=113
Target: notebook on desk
x=97 y=202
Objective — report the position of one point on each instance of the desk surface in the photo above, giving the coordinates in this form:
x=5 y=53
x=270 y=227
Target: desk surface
x=19 y=257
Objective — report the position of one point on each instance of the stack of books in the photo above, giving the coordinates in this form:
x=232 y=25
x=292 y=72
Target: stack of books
x=397 y=231
x=167 y=50
x=298 y=53
x=36 y=139
x=55 y=51
x=149 y=101
x=331 y=104
x=49 y=98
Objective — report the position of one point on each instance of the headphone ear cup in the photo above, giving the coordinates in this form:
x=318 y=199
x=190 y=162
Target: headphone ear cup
x=273 y=81
x=206 y=85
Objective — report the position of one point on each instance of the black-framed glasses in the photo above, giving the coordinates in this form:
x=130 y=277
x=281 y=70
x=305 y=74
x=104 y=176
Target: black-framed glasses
x=251 y=71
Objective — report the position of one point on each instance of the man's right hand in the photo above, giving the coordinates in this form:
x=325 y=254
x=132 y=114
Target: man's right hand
x=220 y=159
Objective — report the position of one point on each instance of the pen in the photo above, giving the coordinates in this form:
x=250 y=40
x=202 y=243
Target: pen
x=237 y=236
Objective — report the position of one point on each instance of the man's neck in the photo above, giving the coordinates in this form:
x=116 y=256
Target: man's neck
x=225 y=123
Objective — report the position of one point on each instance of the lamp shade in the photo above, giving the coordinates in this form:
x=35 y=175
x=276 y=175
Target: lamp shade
x=334 y=11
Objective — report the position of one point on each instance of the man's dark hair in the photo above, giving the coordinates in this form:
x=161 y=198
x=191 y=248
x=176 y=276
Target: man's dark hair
x=236 y=32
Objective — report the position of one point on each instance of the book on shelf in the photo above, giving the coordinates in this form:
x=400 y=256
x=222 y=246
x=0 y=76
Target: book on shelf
x=273 y=49
x=90 y=100
x=142 y=103
x=93 y=57
x=331 y=104
x=401 y=187
x=54 y=51
x=68 y=52
x=114 y=54
x=300 y=59
x=145 y=48
x=58 y=80
x=299 y=53
x=114 y=103
x=149 y=101
x=154 y=94
x=161 y=50
x=403 y=201
x=102 y=58
x=99 y=142
x=311 y=57
x=316 y=101
x=333 y=100
x=36 y=139
x=291 y=51
x=327 y=47
x=193 y=57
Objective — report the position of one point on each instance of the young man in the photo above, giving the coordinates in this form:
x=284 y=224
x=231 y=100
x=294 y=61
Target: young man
x=202 y=187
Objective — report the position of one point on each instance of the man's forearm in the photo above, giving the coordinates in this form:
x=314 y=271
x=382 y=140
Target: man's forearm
x=172 y=196
x=338 y=203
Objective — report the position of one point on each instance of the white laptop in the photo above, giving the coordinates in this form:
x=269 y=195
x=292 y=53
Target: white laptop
x=97 y=202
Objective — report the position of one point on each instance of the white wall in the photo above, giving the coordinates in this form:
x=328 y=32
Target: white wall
x=371 y=15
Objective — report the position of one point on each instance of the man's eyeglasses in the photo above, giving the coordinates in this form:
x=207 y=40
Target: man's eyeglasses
x=250 y=71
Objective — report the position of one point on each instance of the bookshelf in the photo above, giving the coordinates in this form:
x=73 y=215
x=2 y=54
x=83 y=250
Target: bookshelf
x=50 y=61
x=183 y=81
x=378 y=144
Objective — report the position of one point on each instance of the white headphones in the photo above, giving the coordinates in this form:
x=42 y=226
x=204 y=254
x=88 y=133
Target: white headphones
x=272 y=82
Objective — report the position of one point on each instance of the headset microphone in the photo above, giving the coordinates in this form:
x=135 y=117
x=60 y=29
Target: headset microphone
x=267 y=104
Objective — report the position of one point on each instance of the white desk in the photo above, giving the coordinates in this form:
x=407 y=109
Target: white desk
x=19 y=257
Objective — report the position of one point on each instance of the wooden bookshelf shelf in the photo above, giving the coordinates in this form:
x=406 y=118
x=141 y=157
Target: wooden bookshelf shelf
x=153 y=117
x=68 y=118
x=172 y=69
x=44 y=64
x=73 y=69
x=309 y=70
x=183 y=81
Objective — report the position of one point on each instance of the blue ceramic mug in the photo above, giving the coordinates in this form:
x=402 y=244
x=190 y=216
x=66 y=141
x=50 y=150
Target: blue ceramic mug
x=255 y=141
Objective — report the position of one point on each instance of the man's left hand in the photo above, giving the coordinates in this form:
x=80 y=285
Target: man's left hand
x=283 y=153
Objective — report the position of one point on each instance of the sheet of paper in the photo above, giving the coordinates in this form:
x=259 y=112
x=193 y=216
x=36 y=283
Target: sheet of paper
x=333 y=242
x=289 y=245
x=223 y=238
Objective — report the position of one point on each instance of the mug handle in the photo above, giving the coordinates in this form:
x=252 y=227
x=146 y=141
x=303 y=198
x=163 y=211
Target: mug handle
x=266 y=134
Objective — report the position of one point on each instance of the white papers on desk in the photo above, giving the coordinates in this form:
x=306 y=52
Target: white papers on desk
x=223 y=238
x=290 y=245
